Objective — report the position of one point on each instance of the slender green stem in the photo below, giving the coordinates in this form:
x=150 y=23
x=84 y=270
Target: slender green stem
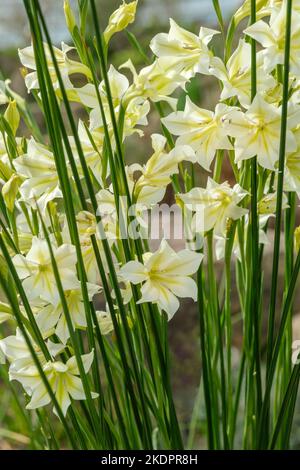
x=280 y=182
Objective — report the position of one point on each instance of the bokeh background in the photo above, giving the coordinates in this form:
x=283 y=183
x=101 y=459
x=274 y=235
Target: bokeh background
x=152 y=17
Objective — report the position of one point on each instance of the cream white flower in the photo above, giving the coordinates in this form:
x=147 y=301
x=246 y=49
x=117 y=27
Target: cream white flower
x=257 y=132
x=118 y=85
x=52 y=318
x=156 y=81
x=63 y=379
x=185 y=49
x=165 y=275
x=36 y=271
x=272 y=37
x=15 y=349
x=262 y=9
x=136 y=109
x=161 y=165
x=201 y=129
x=120 y=19
x=38 y=167
x=214 y=205
x=66 y=66
x=236 y=74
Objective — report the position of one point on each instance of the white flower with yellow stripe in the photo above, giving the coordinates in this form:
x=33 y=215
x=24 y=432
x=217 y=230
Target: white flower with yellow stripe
x=214 y=206
x=201 y=129
x=184 y=49
x=36 y=270
x=52 y=319
x=257 y=132
x=272 y=37
x=164 y=275
x=236 y=74
x=41 y=183
x=162 y=164
x=156 y=81
x=66 y=66
x=63 y=378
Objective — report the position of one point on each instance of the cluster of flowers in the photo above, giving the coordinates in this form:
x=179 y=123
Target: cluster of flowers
x=238 y=125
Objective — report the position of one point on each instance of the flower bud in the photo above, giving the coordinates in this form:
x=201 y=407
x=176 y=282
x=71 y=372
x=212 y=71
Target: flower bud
x=120 y=19
x=69 y=16
x=10 y=190
x=12 y=116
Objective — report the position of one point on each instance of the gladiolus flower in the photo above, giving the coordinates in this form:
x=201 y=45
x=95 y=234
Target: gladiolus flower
x=37 y=272
x=257 y=132
x=236 y=74
x=187 y=50
x=214 y=205
x=201 y=129
x=161 y=165
x=38 y=167
x=272 y=37
x=66 y=66
x=165 y=275
x=63 y=379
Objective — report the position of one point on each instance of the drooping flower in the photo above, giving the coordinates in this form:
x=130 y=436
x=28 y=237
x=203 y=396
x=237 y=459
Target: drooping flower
x=201 y=129
x=214 y=205
x=165 y=275
x=184 y=49
x=36 y=270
